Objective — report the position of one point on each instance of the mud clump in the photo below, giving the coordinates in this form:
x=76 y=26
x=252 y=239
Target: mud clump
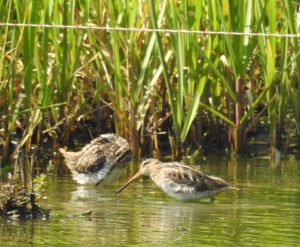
x=16 y=202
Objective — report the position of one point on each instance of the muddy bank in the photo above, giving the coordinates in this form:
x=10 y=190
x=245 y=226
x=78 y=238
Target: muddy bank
x=17 y=203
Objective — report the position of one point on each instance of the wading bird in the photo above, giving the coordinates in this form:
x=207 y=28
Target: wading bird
x=179 y=181
x=96 y=160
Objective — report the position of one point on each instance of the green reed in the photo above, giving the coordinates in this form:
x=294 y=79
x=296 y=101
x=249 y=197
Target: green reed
x=193 y=89
x=292 y=20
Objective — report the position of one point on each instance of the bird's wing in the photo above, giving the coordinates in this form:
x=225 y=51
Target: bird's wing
x=91 y=160
x=196 y=180
x=183 y=175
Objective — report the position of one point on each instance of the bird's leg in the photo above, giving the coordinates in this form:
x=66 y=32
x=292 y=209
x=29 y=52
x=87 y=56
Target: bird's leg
x=98 y=183
x=212 y=198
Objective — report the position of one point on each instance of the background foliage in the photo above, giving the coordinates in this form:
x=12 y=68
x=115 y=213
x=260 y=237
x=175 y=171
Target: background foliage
x=153 y=88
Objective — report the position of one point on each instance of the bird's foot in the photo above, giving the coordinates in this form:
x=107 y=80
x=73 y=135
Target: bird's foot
x=212 y=199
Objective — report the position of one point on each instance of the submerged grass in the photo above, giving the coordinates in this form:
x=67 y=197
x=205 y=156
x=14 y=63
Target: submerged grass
x=152 y=88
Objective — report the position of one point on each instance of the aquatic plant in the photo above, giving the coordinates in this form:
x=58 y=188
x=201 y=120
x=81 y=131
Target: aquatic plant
x=150 y=87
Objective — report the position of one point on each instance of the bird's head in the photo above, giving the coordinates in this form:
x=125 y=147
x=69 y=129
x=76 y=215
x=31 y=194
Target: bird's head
x=146 y=167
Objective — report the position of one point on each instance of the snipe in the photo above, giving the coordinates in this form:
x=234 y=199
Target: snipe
x=179 y=181
x=97 y=159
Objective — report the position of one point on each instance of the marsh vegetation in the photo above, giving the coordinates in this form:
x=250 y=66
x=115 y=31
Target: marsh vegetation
x=184 y=92
x=177 y=93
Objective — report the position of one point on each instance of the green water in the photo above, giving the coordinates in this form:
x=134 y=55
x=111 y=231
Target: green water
x=265 y=211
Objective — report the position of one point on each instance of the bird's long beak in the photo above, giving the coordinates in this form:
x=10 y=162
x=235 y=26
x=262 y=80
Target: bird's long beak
x=135 y=177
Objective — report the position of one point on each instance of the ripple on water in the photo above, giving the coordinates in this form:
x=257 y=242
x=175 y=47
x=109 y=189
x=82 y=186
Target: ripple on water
x=263 y=212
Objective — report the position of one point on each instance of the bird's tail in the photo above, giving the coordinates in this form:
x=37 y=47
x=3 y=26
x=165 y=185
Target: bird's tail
x=69 y=156
x=233 y=188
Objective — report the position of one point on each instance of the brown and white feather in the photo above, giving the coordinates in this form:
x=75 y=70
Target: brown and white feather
x=98 y=158
x=180 y=181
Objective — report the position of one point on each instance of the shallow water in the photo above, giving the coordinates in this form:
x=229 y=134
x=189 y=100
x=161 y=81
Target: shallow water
x=265 y=211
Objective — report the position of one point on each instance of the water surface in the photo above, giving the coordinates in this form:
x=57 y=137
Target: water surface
x=265 y=211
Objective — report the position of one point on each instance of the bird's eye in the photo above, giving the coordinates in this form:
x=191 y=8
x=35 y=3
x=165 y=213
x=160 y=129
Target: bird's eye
x=146 y=162
x=104 y=140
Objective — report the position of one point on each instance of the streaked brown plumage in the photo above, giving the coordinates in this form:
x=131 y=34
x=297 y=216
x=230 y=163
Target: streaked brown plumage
x=178 y=180
x=97 y=159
